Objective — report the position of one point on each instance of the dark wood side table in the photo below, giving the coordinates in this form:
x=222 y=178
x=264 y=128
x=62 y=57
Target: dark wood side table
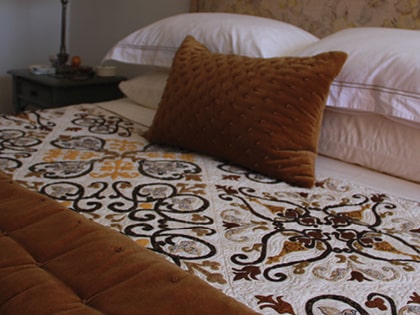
x=47 y=91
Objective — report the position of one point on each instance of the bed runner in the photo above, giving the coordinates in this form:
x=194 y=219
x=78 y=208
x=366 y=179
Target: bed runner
x=337 y=248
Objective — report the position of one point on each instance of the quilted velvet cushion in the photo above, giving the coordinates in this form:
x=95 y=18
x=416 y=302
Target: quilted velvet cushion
x=55 y=261
x=263 y=114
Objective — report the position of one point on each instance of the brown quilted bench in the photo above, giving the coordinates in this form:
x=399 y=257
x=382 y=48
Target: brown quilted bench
x=55 y=261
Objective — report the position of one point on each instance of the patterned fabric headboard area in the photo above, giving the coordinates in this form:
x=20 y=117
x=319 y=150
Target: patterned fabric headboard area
x=323 y=17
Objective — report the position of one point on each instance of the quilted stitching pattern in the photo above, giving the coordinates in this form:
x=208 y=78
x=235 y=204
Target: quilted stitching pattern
x=263 y=114
x=55 y=261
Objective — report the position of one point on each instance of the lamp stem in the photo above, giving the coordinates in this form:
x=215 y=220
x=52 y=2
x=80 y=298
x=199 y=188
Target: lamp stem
x=62 y=56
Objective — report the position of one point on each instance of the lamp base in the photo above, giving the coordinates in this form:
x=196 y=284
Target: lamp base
x=62 y=58
x=60 y=63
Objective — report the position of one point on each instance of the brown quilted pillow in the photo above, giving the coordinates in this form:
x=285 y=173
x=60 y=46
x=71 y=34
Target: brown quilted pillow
x=263 y=114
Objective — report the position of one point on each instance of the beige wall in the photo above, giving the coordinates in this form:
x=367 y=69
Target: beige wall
x=30 y=30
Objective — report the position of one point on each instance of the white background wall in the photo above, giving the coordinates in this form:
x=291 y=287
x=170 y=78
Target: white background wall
x=30 y=31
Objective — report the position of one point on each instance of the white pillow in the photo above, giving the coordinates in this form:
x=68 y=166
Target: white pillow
x=371 y=140
x=147 y=88
x=227 y=33
x=381 y=74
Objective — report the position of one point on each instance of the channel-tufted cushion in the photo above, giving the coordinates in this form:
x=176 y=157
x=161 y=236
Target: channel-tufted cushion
x=263 y=114
x=55 y=261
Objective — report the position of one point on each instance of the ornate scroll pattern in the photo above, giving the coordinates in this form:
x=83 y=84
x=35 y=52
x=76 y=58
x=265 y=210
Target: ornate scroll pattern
x=237 y=171
x=283 y=236
x=323 y=17
x=167 y=170
x=98 y=124
x=21 y=136
x=14 y=145
x=339 y=248
x=348 y=229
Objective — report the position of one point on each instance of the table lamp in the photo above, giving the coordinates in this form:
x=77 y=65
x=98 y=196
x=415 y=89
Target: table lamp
x=63 y=56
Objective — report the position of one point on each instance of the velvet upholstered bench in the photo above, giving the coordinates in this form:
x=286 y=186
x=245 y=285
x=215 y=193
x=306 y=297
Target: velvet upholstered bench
x=55 y=261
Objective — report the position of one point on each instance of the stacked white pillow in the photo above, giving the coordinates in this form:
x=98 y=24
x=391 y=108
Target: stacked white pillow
x=225 y=33
x=373 y=111
x=156 y=44
x=374 y=104
x=381 y=74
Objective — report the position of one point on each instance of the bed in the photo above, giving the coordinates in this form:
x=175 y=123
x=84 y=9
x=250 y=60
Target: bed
x=181 y=169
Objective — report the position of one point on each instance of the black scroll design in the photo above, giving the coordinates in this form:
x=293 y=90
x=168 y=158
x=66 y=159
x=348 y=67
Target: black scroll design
x=9 y=164
x=64 y=169
x=168 y=205
x=15 y=145
x=17 y=142
x=128 y=198
x=322 y=231
x=167 y=169
x=174 y=222
x=99 y=124
x=180 y=246
x=349 y=306
x=82 y=143
x=30 y=120
x=352 y=306
x=81 y=199
x=256 y=177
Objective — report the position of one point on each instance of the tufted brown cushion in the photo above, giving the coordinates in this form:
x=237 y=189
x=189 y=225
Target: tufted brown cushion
x=55 y=261
x=263 y=114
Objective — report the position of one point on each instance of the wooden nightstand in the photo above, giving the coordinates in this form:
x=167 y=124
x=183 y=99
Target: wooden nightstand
x=46 y=91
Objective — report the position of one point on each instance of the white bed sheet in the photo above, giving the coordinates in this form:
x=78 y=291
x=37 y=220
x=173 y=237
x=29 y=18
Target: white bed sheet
x=324 y=165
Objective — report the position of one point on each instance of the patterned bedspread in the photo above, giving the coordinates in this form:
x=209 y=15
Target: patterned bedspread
x=335 y=249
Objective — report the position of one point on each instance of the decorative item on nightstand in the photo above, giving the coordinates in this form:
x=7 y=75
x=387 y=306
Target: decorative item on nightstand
x=106 y=71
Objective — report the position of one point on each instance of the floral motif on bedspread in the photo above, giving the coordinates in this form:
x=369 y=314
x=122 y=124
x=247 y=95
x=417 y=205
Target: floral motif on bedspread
x=337 y=248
